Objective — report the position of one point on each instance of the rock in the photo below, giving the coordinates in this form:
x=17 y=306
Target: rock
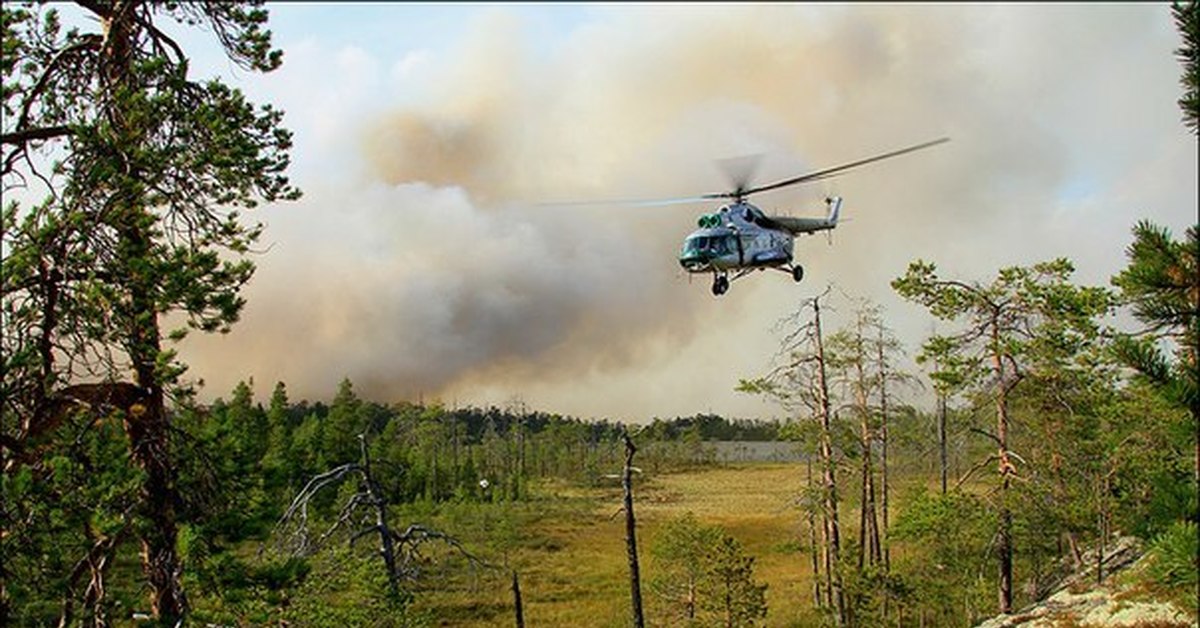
x=1099 y=605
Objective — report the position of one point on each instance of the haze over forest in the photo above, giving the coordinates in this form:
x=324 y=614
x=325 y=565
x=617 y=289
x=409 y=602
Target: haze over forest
x=416 y=266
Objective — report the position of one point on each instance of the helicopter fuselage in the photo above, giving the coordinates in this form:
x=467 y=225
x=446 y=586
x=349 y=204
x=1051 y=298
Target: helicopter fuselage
x=737 y=236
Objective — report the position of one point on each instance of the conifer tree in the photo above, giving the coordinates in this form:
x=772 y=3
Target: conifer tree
x=1004 y=324
x=133 y=174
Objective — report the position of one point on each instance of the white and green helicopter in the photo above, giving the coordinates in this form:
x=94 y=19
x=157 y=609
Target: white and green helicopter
x=739 y=238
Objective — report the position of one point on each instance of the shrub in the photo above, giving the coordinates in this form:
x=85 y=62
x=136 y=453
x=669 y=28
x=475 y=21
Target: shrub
x=1173 y=555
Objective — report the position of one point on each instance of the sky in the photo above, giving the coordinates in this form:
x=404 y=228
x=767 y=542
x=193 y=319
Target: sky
x=423 y=264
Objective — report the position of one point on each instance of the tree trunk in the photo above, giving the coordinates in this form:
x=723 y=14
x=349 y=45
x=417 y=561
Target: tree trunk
x=812 y=542
x=829 y=475
x=1004 y=549
x=148 y=428
x=387 y=541
x=518 y=611
x=941 y=421
x=147 y=425
x=883 y=457
x=635 y=585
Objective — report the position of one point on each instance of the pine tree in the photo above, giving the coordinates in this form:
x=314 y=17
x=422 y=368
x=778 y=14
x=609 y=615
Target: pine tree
x=1005 y=323
x=1187 y=21
x=143 y=171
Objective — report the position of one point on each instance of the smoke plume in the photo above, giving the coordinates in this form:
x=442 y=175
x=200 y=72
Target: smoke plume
x=439 y=268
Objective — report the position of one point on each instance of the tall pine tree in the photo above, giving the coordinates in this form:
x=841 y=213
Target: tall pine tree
x=133 y=175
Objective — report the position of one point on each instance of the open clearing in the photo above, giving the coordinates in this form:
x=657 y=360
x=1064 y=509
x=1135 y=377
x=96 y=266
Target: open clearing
x=568 y=546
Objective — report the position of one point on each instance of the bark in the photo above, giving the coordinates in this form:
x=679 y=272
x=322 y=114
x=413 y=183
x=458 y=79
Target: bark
x=868 y=529
x=387 y=544
x=883 y=456
x=148 y=428
x=635 y=584
x=518 y=611
x=24 y=136
x=829 y=476
x=1004 y=549
x=941 y=421
x=816 y=548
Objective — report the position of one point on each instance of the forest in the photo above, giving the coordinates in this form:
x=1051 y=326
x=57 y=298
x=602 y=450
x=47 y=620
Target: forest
x=1049 y=420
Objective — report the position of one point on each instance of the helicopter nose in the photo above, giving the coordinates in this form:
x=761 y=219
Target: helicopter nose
x=693 y=261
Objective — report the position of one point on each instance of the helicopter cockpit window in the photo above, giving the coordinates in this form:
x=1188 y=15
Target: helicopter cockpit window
x=711 y=245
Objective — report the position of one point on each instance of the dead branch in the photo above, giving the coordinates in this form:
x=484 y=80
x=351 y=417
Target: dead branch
x=400 y=551
x=990 y=459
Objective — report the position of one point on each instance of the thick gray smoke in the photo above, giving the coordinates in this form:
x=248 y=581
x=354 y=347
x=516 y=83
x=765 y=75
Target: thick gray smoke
x=434 y=271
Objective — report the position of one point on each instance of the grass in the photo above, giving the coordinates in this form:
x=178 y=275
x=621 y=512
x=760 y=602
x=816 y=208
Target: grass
x=568 y=545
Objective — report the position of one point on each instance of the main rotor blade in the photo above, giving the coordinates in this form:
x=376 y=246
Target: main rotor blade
x=829 y=172
x=632 y=202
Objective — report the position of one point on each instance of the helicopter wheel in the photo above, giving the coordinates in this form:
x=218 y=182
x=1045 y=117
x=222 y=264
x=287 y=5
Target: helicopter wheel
x=720 y=285
x=797 y=273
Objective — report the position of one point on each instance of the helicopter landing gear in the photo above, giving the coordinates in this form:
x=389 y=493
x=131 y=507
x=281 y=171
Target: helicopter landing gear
x=797 y=273
x=720 y=285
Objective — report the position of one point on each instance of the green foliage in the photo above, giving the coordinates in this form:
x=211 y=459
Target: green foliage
x=1173 y=556
x=871 y=590
x=951 y=539
x=347 y=588
x=345 y=422
x=78 y=502
x=141 y=173
x=704 y=577
x=1161 y=284
x=1187 y=21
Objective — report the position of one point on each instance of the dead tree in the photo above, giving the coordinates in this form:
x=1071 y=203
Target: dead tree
x=801 y=384
x=833 y=546
x=518 y=611
x=813 y=543
x=366 y=509
x=635 y=584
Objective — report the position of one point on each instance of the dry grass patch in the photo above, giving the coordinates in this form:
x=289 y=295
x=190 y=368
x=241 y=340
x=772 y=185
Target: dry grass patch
x=570 y=549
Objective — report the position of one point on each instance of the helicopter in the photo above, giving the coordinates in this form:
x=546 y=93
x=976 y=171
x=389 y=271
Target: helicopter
x=739 y=238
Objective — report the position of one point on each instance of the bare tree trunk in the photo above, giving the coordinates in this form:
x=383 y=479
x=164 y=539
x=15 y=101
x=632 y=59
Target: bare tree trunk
x=1004 y=549
x=635 y=585
x=96 y=562
x=941 y=423
x=517 y=609
x=813 y=544
x=387 y=543
x=885 y=541
x=868 y=532
x=826 y=557
x=829 y=474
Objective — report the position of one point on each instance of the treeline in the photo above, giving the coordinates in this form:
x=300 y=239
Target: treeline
x=239 y=462
x=434 y=453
